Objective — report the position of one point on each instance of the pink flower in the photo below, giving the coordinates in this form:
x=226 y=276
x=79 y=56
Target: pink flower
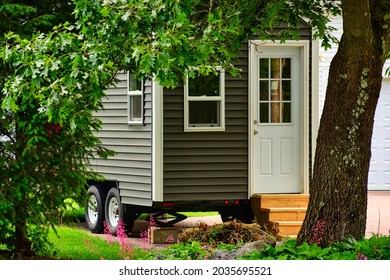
x=107 y=234
x=318 y=232
x=361 y=256
x=170 y=239
x=122 y=238
x=152 y=222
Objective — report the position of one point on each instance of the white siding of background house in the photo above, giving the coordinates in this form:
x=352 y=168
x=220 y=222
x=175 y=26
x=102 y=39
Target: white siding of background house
x=379 y=175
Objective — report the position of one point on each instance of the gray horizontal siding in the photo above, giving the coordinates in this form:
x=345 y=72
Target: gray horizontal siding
x=131 y=166
x=208 y=165
x=203 y=159
x=229 y=144
x=192 y=196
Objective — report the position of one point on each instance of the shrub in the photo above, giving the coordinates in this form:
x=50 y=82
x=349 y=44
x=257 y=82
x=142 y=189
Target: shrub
x=72 y=213
x=179 y=251
x=374 y=248
x=290 y=251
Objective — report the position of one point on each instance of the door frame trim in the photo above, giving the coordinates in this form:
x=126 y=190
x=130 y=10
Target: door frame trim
x=304 y=47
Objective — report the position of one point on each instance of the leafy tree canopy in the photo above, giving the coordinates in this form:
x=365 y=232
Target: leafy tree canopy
x=42 y=159
x=29 y=16
x=55 y=81
x=168 y=38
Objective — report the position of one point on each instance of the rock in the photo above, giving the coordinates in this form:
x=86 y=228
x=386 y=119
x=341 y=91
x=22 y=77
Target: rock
x=239 y=252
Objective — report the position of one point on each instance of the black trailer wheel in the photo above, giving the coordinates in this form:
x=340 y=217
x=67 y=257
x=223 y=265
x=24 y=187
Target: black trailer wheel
x=245 y=216
x=94 y=210
x=115 y=213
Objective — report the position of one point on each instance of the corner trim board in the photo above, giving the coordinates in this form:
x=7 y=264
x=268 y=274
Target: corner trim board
x=157 y=141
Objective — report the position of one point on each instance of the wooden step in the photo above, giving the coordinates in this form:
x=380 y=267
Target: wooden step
x=283 y=214
x=288 y=228
x=281 y=200
x=285 y=211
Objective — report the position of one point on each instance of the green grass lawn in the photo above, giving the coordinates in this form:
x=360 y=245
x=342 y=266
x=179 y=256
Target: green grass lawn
x=77 y=244
x=200 y=214
x=72 y=243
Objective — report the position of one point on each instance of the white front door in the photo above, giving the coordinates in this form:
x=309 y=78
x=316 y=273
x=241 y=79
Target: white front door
x=276 y=117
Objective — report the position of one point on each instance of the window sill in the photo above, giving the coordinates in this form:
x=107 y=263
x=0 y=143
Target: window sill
x=203 y=129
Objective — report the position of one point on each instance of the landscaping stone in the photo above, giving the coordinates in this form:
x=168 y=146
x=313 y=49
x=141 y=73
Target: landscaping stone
x=239 y=252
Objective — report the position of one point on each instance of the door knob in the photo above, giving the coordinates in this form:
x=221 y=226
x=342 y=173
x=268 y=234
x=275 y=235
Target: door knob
x=255 y=132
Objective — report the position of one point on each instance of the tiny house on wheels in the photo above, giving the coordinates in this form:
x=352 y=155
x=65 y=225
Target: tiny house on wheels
x=215 y=143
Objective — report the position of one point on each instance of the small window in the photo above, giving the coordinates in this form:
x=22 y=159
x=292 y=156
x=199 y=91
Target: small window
x=135 y=102
x=204 y=108
x=275 y=83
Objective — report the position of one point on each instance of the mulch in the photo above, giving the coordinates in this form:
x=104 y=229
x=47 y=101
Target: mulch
x=233 y=232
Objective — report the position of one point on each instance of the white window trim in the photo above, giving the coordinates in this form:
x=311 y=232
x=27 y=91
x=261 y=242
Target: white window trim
x=220 y=98
x=130 y=93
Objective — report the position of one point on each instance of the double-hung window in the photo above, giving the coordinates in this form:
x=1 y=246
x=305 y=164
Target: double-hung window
x=135 y=104
x=204 y=107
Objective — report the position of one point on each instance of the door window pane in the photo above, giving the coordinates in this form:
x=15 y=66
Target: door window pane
x=264 y=90
x=286 y=90
x=264 y=113
x=275 y=68
x=275 y=90
x=286 y=68
x=275 y=112
x=264 y=68
x=286 y=112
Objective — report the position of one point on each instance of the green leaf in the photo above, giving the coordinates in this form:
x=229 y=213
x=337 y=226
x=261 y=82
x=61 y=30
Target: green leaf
x=105 y=11
x=9 y=103
x=7 y=52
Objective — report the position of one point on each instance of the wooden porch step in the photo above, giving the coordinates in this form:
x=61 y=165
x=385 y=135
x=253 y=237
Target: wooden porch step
x=282 y=200
x=283 y=214
x=288 y=228
x=288 y=236
x=285 y=211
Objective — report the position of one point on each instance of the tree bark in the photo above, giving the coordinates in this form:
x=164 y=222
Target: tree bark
x=23 y=246
x=338 y=195
x=23 y=243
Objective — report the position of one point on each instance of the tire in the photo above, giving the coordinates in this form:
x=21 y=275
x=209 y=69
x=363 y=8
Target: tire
x=240 y=215
x=246 y=217
x=115 y=212
x=94 y=210
x=225 y=216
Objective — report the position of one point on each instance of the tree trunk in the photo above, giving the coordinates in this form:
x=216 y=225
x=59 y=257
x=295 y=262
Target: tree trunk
x=23 y=246
x=338 y=195
x=23 y=243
